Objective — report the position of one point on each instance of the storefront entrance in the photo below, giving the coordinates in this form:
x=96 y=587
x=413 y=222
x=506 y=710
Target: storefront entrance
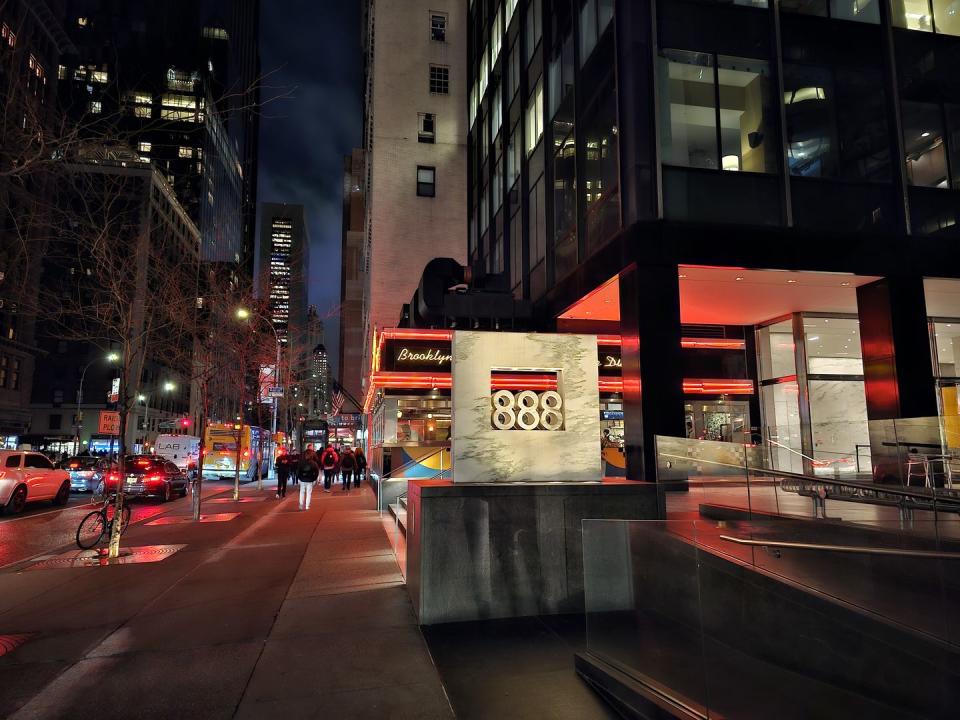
x=721 y=420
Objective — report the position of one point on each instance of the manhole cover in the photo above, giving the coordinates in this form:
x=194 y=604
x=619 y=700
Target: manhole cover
x=100 y=558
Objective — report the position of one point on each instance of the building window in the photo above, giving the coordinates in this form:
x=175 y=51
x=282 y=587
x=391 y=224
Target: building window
x=942 y=17
x=185 y=152
x=99 y=76
x=426 y=181
x=931 y=153
x=427 y=127
x=82 y=21
x=4 y=366
x=55 y=422
x=95 y=107
x=695 y=133
x=595 y=15
x=143 y=146
x=439 y=80
x=535 y=117
x=438 y=27
x=143 y=112
x=534 y=26
x=15 y=374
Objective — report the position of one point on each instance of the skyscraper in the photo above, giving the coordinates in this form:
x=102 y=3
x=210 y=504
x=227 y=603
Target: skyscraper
x=352 y=275
x=414 y=139
x=284 y=259
x=177 y=83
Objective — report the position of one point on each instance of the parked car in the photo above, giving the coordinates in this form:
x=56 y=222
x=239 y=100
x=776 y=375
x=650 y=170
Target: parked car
x=28 y=476
x=148 y=476
x=86 y=472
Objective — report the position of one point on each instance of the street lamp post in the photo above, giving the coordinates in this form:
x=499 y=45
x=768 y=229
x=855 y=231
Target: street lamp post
x=244 y=314
x=112 y=357
x=145 y=399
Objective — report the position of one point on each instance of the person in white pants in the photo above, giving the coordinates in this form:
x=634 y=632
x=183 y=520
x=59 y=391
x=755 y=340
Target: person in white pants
x=308 y=472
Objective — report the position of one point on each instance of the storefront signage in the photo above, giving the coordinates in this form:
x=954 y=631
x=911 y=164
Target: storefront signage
x=432 y=356
x=611 y=414
x=609 y=361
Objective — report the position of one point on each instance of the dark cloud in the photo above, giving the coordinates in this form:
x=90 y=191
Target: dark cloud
x=312 y=62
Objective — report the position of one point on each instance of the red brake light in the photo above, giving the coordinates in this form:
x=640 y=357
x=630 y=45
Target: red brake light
x=113 y=477
x=143 y=462
x=74 y=465
x=154 y=478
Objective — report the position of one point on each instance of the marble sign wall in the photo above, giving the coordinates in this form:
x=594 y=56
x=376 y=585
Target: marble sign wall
x=485 y=454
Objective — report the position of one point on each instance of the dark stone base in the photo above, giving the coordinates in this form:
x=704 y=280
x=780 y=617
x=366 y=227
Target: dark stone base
x=477 y=552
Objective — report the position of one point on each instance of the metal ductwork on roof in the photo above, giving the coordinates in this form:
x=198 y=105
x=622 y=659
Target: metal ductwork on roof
x=451 y=295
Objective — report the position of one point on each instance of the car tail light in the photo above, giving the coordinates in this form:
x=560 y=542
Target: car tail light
x=113 y=477
x=154 y=478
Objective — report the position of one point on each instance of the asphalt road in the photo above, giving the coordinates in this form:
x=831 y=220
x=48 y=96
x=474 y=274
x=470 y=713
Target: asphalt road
x=42 y=527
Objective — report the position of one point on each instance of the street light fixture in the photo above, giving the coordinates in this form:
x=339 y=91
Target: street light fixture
x=245 y=314
x=111 y=358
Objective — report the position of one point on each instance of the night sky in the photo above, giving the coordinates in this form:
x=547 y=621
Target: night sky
x=310 y=50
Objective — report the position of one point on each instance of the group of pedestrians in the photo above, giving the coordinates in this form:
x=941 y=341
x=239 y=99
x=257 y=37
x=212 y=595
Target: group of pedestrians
x=347 y=464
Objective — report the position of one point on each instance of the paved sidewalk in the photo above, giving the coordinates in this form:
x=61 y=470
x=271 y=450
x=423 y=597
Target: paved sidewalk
x=274 y=613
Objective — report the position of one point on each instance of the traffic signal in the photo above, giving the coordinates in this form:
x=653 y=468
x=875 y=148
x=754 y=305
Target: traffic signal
x=185 y=422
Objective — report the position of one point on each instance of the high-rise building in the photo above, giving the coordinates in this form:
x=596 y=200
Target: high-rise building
x=284 y=260
x=177 y=83
x=32 y=41
x=352 y=276
x=761 y=199
x=415 y=154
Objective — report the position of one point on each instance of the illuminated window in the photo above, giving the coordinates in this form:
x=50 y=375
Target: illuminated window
x=427 y=127
x=215 y=33
x=143 y=112
x=188 y=115
x=426 y=181
x=61 y=72
x=144 y=146
x=438 y=27
x=186 y=152
x=439 y=80
x=535 y=117
x=179 y=101
x=82 y=21
x=495 y=37
x=98 y=76
x=95 y=107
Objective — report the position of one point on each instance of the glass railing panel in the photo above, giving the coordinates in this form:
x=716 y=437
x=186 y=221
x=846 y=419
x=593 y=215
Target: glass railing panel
x=642 y=601
x=693 y=473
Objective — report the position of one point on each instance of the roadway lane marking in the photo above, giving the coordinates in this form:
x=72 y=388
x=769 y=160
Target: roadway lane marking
x=49 y=512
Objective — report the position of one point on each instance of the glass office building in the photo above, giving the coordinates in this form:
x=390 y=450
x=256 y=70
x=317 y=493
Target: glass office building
x=666 y=169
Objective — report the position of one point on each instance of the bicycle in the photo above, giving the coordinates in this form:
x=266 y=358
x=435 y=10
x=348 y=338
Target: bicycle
x=98 y=524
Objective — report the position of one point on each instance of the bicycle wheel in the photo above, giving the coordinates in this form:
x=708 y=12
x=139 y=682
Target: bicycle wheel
x=91 y=529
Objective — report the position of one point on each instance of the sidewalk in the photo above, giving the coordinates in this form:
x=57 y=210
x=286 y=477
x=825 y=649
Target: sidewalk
x=273 y=613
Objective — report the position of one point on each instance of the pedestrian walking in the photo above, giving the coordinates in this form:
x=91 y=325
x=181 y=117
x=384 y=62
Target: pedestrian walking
x=348 y=464
x=360 y=473
x=308 y=471
x=330 y=462
x=282 y=468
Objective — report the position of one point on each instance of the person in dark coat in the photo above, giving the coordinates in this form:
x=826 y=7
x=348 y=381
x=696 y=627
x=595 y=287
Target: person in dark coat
x=282 y=467
x=360 y=473
x=348 y=464
x=308 y=471
x=330 y=463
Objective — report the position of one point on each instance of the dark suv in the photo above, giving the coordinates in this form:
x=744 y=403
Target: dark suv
x=149 y=476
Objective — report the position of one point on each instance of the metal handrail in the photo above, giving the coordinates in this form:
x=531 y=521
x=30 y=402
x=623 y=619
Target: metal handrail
x=858 y=549
x=404 y=466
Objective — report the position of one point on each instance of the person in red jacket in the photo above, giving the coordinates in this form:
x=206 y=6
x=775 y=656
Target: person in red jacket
x=330 y=464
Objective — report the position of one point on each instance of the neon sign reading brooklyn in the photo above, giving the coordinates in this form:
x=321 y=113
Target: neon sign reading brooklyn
x=431 y=355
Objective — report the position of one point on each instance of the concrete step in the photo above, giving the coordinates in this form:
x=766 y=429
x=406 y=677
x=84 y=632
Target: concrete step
x=403 y=502
x=400 y=513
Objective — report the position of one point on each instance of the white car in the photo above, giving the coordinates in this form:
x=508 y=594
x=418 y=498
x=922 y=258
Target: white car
x=27 y=476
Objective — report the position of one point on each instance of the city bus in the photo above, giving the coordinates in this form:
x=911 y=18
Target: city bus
x=220 y=451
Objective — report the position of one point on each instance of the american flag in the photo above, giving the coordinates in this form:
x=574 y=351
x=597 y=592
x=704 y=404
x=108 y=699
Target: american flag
x=336 y=401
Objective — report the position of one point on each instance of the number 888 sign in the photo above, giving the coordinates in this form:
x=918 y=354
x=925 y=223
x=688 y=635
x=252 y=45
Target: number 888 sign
x=527 y=410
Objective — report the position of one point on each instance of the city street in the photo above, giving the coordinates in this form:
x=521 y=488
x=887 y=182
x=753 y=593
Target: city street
x=42 y=527
x=260 y=612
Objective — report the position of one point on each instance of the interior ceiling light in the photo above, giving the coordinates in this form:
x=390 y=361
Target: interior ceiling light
x=738 y=278
x=925 y=134
x=791 y=281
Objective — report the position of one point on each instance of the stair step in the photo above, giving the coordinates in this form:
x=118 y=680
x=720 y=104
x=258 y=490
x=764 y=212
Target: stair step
x=400 y=513
x=403 y=502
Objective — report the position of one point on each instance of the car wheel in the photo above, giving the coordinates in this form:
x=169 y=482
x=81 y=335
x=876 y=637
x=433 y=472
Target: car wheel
x=17 y=501
x=63 y=495
x=165 y=493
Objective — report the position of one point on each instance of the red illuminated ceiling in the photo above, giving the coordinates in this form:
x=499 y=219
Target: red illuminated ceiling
x=733 y=296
